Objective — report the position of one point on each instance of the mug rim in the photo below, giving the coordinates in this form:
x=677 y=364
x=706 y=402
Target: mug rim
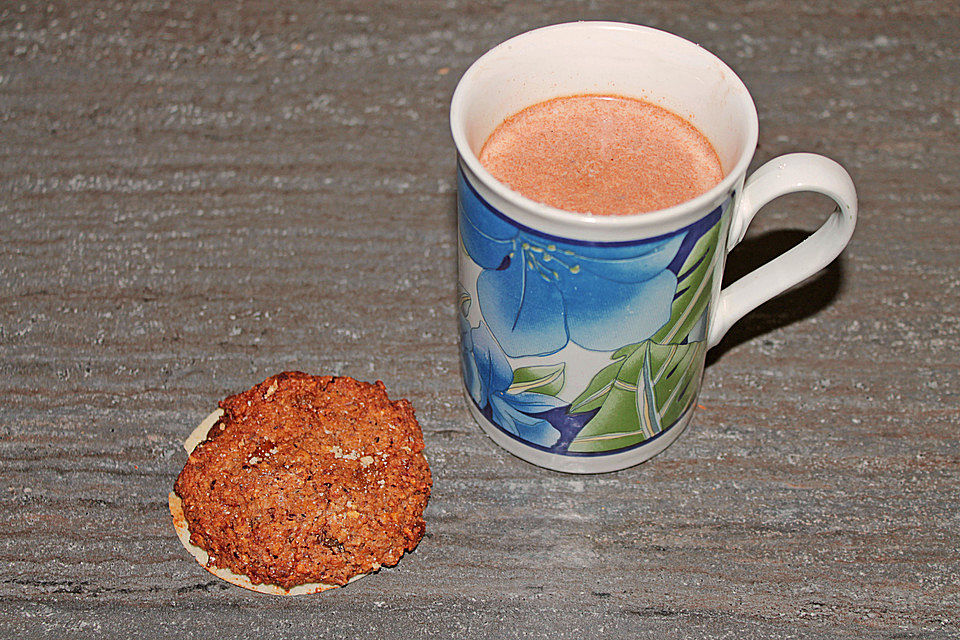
x=671 y=216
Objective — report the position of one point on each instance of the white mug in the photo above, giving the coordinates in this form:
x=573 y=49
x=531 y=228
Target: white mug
x=596 y=366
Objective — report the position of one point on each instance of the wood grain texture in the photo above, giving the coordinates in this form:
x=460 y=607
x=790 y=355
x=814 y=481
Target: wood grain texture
x=197 y=195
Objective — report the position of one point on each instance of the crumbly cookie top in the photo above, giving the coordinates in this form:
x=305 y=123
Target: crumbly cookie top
x=307 y=479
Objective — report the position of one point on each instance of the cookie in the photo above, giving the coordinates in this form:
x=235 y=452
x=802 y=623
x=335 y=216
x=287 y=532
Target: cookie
x=303 y=483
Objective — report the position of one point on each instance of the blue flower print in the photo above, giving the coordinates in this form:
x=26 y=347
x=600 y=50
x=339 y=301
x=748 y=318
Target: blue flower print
x=488 y=376
x=536 y=294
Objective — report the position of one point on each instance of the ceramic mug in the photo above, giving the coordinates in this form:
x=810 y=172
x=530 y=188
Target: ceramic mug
x=583 y=338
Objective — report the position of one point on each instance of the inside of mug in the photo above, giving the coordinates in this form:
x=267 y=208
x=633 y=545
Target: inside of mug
x=608 y=58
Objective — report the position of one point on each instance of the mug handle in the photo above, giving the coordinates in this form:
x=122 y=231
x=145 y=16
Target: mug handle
x=780 y=176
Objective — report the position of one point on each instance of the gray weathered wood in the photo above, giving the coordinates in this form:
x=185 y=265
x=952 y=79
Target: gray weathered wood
x=196 y=195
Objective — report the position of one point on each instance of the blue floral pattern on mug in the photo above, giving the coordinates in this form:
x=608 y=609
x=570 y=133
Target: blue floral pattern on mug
x=536 y=294
x=489 y=380
x=643 y=302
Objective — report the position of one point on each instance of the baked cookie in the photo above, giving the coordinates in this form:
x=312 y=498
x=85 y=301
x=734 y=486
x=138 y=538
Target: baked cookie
x=303 y=483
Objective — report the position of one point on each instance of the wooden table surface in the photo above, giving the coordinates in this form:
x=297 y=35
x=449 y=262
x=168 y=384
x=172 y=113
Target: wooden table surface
x=196 y=195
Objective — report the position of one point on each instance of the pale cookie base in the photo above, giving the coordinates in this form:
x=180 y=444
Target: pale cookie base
x=183 y=532
x=200 y=433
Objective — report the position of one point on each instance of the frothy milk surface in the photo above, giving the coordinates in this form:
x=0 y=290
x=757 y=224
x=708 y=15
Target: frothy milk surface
x=602 y=155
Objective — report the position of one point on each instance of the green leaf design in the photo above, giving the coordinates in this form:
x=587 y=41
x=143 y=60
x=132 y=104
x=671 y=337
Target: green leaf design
x=547 y=379
x=655 y=386
x=595 y=393
x=682 y=384
x=695 y=284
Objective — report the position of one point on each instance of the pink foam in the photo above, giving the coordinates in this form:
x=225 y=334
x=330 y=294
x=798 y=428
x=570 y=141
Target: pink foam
x=604 y=155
